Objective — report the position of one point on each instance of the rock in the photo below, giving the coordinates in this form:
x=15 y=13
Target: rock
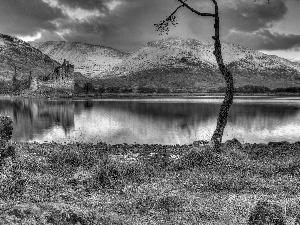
x=8 y=152
x=297 y=143
x=234 y=143
x=266 y=213
x=278 y=144
x=200 y=143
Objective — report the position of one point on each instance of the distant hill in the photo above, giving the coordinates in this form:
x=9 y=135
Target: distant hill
x=175 y=64
x=90 y=60
x=19 y=55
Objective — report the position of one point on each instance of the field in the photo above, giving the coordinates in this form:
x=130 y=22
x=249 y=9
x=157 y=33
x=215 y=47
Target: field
x=82 y=183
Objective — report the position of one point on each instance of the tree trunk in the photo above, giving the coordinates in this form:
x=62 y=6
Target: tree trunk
x=216 y=138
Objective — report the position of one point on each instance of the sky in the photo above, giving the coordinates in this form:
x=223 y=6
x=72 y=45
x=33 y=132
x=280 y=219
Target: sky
x=126 y=25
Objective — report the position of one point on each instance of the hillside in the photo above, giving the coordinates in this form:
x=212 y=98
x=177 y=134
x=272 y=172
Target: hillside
x=90 y=60
x=178 y=53
x=191 y=63
x=174 y=64
x=19 y=55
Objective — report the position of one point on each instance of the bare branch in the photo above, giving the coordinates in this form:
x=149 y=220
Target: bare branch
x=174 y=11
x=163 y=26
x=195 y=11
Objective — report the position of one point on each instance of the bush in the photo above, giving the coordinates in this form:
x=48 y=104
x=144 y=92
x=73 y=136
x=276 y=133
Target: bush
x=112 y=89
x=126 y=90
x=145 y=90
x=252 y=89
x=288 y=89
x=77 y=88
x=88 y=88
x=170 y=204
x=100 y=90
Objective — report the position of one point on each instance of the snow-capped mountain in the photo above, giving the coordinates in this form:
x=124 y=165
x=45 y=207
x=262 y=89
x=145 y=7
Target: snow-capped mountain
x=177 y=52
x=176 y=61
x=90 y=60
x=20 y=57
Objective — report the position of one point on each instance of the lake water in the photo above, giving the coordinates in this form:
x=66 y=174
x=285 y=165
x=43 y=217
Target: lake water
x=160 y=121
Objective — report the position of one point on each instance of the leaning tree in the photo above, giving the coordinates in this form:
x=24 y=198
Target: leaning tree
x=163 y=26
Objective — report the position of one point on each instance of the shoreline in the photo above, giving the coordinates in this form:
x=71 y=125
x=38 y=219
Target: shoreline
x=139 y=145
x=150 y=95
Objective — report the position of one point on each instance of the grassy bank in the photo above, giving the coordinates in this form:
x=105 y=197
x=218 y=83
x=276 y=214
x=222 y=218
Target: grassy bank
x=52 y=183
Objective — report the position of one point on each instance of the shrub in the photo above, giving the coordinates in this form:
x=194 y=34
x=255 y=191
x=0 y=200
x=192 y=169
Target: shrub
x=252 y=89
x=112 y=89
x=77 y=88
x=266 y=212
x=145 y=90
x=88 y=88
x=169 y=204
x=288 y=89
x=126 y=90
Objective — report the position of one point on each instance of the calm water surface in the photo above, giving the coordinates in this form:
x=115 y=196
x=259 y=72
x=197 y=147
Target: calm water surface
x=163 y=121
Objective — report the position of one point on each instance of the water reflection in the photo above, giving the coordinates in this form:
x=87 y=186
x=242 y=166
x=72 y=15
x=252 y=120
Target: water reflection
x=33 y=118
x=170 y=121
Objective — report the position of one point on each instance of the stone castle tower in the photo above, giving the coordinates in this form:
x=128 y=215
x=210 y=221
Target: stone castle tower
x=65 y=70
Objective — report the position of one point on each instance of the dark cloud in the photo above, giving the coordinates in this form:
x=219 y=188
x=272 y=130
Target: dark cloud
x=131 y=23
x=245 y=15
x=265 y=40
x=100 y=5
x=27 y=17
x=127 y=27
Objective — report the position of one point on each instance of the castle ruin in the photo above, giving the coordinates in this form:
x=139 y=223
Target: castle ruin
x=65 y=70
x=59 y=82
x=62 y=72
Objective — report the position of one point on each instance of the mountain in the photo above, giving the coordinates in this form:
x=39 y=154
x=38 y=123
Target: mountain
x=20 y=57
x=175 y=64
x=90 y=60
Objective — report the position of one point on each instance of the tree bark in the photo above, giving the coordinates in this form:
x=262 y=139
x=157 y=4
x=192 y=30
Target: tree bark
x=216 y=138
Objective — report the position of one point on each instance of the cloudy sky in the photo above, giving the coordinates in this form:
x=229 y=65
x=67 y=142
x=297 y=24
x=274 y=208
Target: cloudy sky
x=128 y=24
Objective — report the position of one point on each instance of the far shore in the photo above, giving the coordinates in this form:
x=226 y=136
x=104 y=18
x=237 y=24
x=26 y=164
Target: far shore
x=146 y=95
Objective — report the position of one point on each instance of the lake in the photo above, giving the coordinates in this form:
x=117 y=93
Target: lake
x=153 y=120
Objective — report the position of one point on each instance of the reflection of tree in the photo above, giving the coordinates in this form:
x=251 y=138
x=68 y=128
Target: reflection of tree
x=163 y=110
x=32 y=117
x=262 y=116
x=88 y=104
x=140 y=121
x=191 y=116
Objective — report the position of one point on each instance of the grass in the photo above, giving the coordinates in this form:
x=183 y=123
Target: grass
x=82 y=183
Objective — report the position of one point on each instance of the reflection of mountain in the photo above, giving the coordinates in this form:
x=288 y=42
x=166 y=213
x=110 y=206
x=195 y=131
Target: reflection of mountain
x=241 y=114
x=149 y=121
x=171 y=123
x=32 y=117
x=174 y=63
x=262 y=116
